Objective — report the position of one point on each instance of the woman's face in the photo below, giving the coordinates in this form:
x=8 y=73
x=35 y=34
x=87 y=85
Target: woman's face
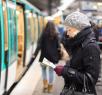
x=72 y=32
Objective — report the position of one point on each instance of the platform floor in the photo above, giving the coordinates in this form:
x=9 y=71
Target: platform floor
x=31 y=84
x=58 y=85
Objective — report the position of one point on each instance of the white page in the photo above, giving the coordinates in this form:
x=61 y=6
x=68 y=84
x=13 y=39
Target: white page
x=48 y=63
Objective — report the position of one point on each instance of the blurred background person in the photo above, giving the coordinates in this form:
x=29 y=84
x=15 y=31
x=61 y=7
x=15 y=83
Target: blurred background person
x=61 y=29
x=49 y=45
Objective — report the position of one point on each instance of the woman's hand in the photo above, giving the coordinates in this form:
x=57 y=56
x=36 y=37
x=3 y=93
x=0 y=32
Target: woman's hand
x=59 y=70
x=32 y=59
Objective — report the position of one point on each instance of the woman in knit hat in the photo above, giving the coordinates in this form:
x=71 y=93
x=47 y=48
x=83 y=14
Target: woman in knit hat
x=84 y=62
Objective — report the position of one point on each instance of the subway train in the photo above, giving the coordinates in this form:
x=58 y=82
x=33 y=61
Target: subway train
x=20 y=26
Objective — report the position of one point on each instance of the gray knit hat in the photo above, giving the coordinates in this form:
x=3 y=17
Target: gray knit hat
x=77 y=20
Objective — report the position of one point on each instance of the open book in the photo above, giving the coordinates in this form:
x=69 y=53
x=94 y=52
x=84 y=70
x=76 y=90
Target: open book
x=48 y=63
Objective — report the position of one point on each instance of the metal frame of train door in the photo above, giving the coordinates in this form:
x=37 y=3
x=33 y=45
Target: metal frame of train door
x=24 y=53
x=2 y=38
x=25 y=37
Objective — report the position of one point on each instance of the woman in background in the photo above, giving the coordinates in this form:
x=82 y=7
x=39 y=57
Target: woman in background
x=49 y=45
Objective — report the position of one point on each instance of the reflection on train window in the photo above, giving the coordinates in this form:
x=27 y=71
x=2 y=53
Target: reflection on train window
x=38 y=19
x=34 y=25
x=32 y=28
x=36 y=28
x=28 y=29
x=13 y=35
x=0 y=46
x=0 y=49
x=40 y=24
x=5 y=31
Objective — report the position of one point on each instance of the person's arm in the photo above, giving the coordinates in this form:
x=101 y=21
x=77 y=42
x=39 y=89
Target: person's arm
x=91 y=62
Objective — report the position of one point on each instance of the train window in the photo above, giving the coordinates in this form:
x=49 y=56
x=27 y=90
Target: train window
x=13 y=34
x=36 y=28
x=6 y=31
x=10 y=31
x=29 y=32
x=40 y=23
x=32 y=28
x=38 y=18
x=0 y=51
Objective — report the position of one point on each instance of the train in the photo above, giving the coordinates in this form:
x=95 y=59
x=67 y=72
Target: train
x=21 y=24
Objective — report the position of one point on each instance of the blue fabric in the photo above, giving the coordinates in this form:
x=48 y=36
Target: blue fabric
x=49 y=76
x=61 y=31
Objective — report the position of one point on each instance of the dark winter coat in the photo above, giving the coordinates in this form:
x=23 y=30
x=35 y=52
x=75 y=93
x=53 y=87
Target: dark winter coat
x=49 y=48
x=85 y=58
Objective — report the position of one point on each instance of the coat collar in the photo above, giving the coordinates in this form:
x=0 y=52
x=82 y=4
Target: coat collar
x=80 y=37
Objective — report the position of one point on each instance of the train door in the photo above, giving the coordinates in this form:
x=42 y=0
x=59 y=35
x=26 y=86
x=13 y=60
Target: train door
x=2 y=65
x=10 y=42
x=20 y=29
x=28 y=16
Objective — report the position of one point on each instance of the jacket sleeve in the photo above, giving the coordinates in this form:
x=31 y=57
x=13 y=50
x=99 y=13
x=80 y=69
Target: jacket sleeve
x=91 y=64
x=39 y=45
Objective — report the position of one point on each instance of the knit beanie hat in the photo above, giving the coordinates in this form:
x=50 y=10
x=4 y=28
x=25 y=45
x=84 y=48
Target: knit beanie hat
x=77 y=20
